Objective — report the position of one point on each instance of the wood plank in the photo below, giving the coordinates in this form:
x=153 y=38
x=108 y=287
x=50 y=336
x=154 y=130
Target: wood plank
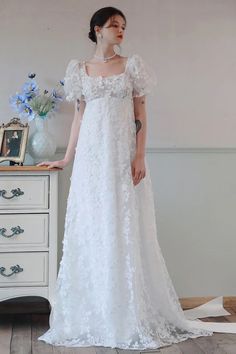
x=134 y=351
x=21 y=334
x=73 y=350
x=173 y=349
x=40 y=325
x=18 y=327
x=191 y=302
x=150 y=351
x=137 y=351
x=5 y=333
x=189 y=346
x=106 y=350
x=229 y=301
x=231 y=310
x=84 y=350
x=222 y=341
x=231 y=318
x=226 y=349
x=211 y=344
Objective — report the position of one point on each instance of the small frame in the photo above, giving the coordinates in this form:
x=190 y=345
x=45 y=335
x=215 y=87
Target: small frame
x=13 y=141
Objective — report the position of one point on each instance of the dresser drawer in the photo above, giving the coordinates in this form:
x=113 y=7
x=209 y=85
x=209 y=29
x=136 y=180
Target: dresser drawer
x=24 y=192
x=23 y=230
x=31 y=269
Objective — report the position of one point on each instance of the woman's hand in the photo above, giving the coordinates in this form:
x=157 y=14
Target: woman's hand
x=51 y=164
x=138 y=169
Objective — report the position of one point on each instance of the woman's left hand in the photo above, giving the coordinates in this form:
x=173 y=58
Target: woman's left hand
x=138 y=169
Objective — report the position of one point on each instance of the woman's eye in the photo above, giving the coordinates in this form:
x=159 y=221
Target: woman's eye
x=117 y=26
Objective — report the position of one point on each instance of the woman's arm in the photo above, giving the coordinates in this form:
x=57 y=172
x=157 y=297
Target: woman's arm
x=138 y=165
x=74 y=135
x=74 y=132
x=140 y=116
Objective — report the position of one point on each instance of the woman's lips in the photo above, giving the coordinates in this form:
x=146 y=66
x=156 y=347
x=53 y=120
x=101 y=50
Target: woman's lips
x=120 y=36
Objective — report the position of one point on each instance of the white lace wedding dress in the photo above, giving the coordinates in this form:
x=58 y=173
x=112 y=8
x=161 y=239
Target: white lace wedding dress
x=113 y=288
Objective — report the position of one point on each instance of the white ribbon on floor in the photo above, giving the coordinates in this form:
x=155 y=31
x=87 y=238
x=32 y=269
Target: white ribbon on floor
x=212 y=308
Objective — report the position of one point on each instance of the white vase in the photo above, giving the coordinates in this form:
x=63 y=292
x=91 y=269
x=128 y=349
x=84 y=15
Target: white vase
x=41 y=144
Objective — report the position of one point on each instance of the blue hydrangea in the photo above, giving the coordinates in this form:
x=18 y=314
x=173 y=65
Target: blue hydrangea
x=30 y=102
x=25 y=111
x=30 y=89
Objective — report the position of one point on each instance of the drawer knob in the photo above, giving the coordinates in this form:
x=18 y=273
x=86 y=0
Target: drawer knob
x=15 y=231
x=15 y=269
x=15 y=193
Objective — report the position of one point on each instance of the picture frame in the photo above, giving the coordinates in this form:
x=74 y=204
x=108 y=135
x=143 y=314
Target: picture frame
x=13 y=141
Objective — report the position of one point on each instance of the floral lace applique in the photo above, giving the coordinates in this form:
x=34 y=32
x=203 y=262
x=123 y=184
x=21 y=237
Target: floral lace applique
x=138 y=79
x=113 y=288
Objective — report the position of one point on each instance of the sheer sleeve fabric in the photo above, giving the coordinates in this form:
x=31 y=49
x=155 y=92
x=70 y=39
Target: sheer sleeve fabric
x=73 y=82
x=143 y=76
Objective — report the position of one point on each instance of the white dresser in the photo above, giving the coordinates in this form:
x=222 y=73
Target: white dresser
x=28 y=231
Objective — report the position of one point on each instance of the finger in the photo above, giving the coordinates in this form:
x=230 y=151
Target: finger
x=133 y=171
x=47 y=164
x=142 y=173
x=43 y=163
x=138 y=175
x=139 y=178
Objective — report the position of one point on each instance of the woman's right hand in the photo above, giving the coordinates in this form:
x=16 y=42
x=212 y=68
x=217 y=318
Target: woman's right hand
x=51 y=164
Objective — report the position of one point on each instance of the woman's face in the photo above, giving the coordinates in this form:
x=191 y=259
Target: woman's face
x=113 y=30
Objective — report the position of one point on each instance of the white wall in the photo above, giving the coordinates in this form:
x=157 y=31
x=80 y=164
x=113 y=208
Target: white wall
x=195 y=201
x=195 y=206
x=190 y=45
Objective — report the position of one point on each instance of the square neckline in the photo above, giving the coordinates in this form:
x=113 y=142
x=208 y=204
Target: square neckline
x=105 y=77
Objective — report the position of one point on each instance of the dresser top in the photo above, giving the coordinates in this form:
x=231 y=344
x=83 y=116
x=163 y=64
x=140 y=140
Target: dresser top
x=28 y=168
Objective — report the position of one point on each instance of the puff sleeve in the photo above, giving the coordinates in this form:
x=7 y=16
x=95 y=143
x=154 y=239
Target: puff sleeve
x=73 y=82
x=143 y=76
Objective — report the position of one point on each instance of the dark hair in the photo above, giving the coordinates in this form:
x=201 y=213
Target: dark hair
x=100 y=17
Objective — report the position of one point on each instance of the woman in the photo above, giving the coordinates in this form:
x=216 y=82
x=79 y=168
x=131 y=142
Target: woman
x=113 y=288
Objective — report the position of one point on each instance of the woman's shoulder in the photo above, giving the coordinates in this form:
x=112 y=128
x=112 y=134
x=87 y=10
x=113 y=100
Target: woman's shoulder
x=135 y=61
x=135 y=64
x=72 y=81
x=74 y=65
x=136 y=58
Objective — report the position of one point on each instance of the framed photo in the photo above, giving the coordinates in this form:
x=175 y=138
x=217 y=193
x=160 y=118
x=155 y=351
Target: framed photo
x=13 y=141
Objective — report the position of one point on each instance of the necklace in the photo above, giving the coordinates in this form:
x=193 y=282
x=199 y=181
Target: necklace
x=104 y=59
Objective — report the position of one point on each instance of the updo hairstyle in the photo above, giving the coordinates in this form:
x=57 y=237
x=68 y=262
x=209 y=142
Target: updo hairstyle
x=100 y=17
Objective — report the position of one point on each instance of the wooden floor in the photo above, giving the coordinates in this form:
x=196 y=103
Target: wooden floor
x=19 y=333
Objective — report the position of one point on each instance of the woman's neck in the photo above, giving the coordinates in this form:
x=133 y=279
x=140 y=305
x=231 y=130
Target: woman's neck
x=105 y=51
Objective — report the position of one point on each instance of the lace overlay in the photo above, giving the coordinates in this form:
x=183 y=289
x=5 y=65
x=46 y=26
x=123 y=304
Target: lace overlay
x=113 y=288
x=138 y=79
